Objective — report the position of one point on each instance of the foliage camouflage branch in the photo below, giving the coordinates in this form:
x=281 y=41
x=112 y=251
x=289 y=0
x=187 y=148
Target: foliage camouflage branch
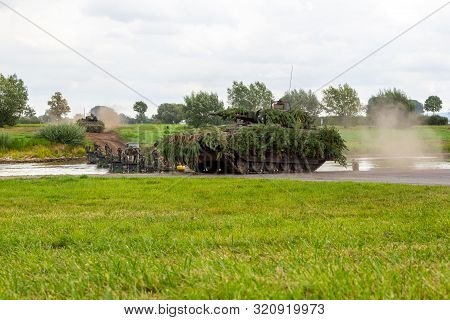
x=258 y=140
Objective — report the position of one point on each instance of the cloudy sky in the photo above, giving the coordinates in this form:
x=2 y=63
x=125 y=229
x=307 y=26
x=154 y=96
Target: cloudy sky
x=166 y=49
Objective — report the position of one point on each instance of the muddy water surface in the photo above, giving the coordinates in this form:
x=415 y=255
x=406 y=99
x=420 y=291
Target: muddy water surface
x=365 y=164
x=43 y=169
x=401 y=163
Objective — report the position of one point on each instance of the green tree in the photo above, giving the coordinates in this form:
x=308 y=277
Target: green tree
x=303 y=100
x=253 y=97
x=58 y=106
x=29 y=112
x=170 y=113
x=433 y=104
x=13 y=99
x=390 y=101
x=141 y=108
x=342 y=101
x=199 y=107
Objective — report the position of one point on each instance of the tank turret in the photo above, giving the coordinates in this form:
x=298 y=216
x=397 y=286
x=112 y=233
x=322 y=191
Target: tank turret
x=284 y=118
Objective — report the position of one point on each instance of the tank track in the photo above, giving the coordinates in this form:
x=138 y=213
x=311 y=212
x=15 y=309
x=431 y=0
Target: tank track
x=208 y=163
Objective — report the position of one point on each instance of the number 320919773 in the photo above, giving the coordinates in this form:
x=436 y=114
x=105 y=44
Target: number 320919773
x=294 y=308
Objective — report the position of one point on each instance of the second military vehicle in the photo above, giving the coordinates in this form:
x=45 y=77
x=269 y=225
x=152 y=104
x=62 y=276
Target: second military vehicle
x=92 y=124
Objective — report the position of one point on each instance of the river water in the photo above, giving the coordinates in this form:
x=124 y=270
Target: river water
x=404 y=163
x=50 y=169
x=365 y=164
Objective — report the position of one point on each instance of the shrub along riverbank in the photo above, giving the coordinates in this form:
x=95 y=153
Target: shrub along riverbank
x=26 y=143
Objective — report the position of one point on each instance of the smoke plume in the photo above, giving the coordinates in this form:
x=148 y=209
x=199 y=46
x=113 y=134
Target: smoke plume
x=394 y=137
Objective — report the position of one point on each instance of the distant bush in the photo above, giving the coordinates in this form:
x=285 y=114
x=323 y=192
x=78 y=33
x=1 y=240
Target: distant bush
x=5 y=141
x=71 y=134
x=436 y=120
x=32 y=120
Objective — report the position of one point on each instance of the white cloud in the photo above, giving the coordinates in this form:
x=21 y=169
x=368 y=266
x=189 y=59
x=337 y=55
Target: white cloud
x=165 y=49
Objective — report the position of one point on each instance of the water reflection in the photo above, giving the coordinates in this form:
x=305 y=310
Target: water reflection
x=43 y=169
x=405 y=163
x=365 y=164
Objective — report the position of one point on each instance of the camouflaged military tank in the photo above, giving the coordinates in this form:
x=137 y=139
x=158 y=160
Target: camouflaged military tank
x=92 y=124
x=268 y=140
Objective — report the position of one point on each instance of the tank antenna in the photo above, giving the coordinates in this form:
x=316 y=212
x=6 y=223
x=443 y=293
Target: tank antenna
x=290 y=80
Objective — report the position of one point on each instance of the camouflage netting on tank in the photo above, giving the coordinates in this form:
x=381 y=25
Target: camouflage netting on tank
x=294 y=118
x=236 y=113
x=258 y=140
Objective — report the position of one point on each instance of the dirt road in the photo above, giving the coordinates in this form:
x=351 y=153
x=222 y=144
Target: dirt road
x=110 y=138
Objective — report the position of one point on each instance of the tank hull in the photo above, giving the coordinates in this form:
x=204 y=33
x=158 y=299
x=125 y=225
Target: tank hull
x=209 y=162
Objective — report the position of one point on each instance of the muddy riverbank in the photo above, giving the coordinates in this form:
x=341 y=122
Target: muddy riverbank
x=43 y=160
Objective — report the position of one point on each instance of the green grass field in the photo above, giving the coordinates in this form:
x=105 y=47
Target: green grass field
x=214 y=238
x=147 y=134
x=24 y=144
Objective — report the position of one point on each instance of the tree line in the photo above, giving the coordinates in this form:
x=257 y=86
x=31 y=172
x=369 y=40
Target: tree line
x=341 y=101
x=14 y=103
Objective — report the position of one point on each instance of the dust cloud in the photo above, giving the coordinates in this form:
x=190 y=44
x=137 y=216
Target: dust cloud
x=109 y=116
x=394 y=137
